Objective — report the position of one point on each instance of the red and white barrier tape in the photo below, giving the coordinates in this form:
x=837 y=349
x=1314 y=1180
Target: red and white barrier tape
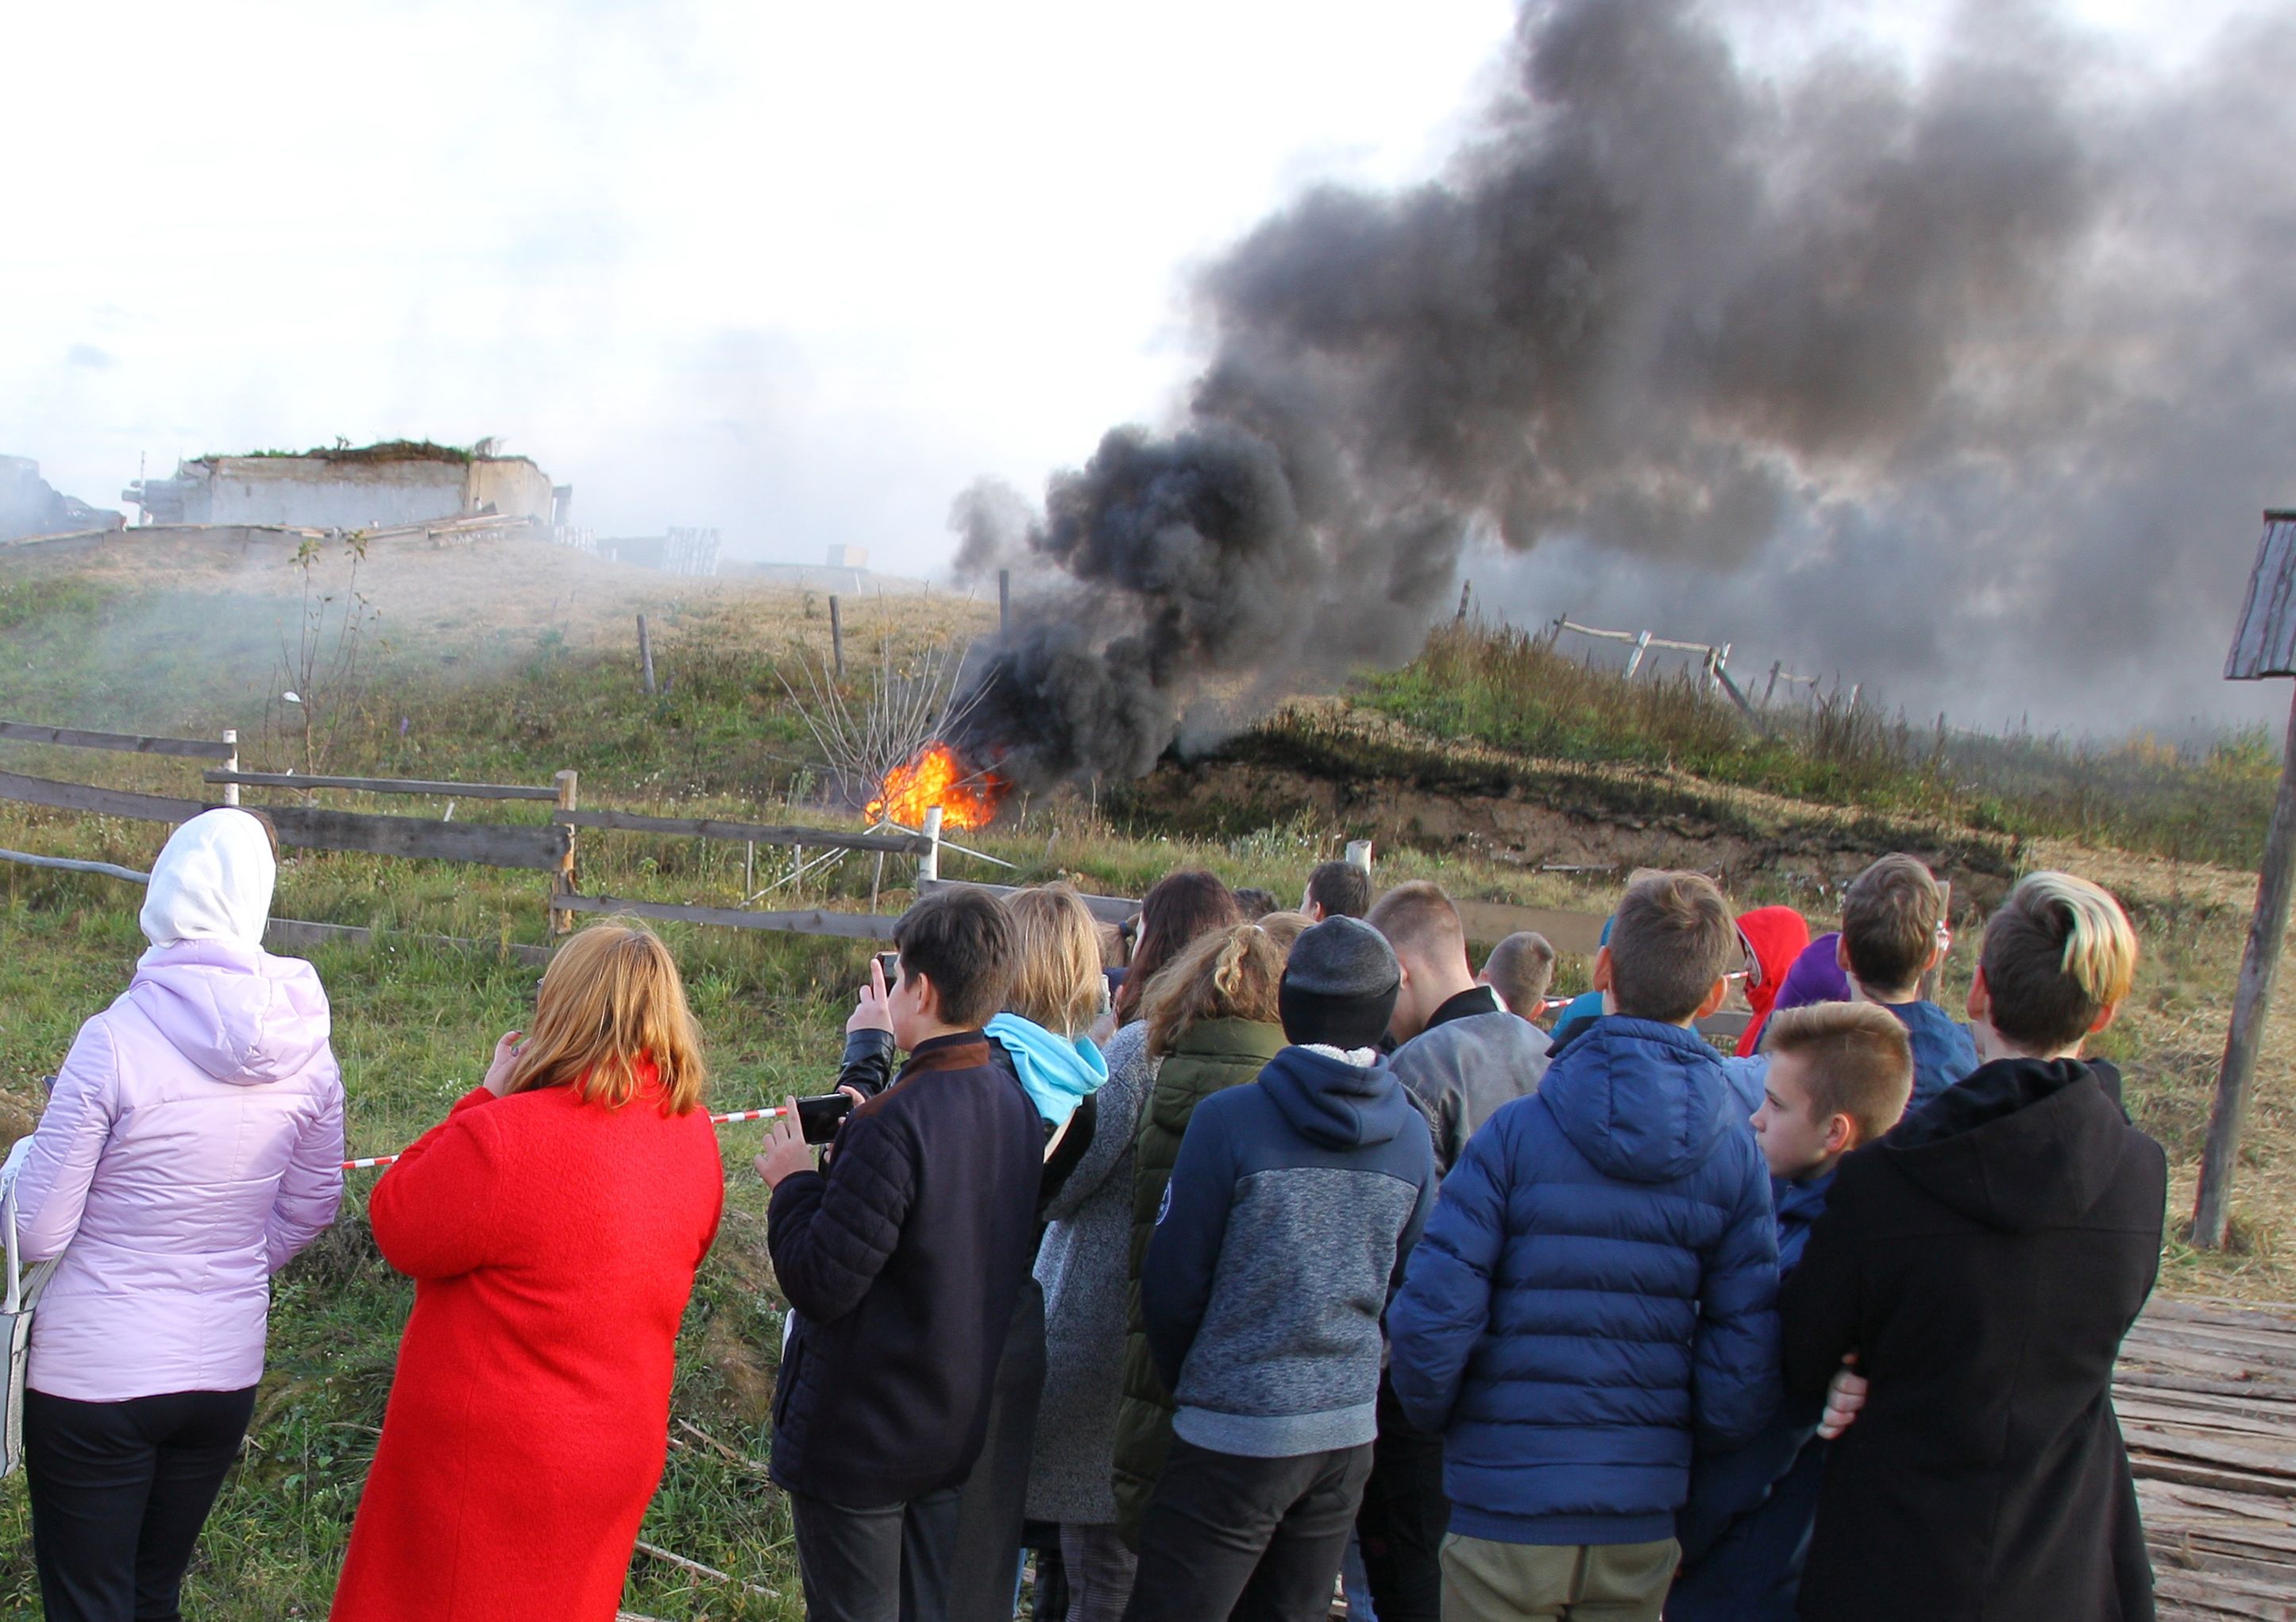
x=375 y=1161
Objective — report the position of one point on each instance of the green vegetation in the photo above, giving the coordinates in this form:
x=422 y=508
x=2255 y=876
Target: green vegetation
x=386 y=450
x=1511 y=690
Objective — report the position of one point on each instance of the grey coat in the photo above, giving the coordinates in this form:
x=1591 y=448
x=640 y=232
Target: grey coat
x=1082 y=1266
x=1461 y=1072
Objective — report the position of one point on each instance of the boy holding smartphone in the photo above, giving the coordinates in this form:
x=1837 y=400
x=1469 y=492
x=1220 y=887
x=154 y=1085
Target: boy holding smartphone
x=902 y=1284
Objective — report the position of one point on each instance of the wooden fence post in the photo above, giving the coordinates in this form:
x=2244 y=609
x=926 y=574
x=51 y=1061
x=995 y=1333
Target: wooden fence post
x=929 y=863
x=646 y=656
x=2212 y=1208
x=231 y=764
x=836 y=637
x=1004 y=603
x=562 y=882
x=1776 y=665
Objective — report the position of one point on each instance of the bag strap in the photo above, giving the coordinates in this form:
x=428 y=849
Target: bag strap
x=15 y=1300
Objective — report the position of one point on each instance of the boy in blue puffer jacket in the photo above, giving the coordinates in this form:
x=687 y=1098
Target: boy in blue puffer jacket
x=1598 y=1284
x=1839 y=1076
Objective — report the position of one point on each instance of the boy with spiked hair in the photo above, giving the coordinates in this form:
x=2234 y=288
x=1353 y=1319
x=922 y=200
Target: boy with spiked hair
x=1981 y=1266
x=1596 y=1286
x=1838 y=1077
x=1893 y=926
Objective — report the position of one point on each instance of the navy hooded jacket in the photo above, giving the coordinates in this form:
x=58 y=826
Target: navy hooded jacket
x=1943 y=1051
x=1599 y=1281
x=1291 y=1207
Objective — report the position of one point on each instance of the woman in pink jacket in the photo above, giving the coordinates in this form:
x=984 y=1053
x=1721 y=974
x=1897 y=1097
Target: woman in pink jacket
x=192 y=1144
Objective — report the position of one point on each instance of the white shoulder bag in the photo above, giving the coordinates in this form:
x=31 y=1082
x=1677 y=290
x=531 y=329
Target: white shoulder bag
x=16 y=1315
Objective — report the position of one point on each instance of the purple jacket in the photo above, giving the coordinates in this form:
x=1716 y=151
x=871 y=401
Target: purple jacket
x=192 y=1146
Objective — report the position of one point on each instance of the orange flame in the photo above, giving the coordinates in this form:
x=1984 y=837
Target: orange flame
x=935 y=776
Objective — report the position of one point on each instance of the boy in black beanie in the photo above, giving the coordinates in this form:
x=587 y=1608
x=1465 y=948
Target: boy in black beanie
x=1289 y=1214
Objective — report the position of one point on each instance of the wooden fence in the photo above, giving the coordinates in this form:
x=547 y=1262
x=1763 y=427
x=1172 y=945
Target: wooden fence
x=550 y=847
x=544 y=847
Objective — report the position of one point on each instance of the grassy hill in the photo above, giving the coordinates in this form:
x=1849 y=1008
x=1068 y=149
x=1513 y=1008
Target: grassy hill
x=1491 y=764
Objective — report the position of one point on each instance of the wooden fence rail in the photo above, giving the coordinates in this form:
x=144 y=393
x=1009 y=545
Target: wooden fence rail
x=761 y=834
x=388 y=785
x=813 y=920
x=538 y=846
x=195 y=748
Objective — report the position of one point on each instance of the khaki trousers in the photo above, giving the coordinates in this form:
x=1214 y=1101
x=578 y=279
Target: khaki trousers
x=1496 y=1581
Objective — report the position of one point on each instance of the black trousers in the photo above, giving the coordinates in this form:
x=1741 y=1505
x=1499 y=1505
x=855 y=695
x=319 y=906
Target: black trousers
x=119 y=1491
x=1404 y=1517
x=888 y=1564
x=1253 y=1540
x=993 y=1503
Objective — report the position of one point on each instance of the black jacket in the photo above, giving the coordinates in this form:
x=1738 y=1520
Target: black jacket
x=1983 y=1261
x=903 y=1262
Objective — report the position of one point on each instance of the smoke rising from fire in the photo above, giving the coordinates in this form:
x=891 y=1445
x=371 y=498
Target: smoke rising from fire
x=1961 y=376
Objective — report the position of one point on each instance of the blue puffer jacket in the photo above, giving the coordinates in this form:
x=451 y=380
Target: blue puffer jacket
x=1598 y=1281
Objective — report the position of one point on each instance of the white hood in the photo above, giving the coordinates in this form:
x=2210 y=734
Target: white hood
x=212 y=883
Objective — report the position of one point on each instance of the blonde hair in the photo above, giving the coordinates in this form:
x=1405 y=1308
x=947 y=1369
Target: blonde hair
x=2058 y=954
x=610 y=1002
x=1284 y=928
x=1861 y=1061
x=1232 y=973
x=1056 y=974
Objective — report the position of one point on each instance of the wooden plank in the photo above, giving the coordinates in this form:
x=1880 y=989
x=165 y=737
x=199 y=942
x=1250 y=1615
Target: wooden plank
x=851 y=926
x=387 y=785
x=2251 y=998
x=103 y=802
x=2217 y=1314
x=2161 y=1442
x=761 y=834
x=2282 y=1355
x=1106 y=909
x=72 y=737
x=537 y=846
x=282 y=932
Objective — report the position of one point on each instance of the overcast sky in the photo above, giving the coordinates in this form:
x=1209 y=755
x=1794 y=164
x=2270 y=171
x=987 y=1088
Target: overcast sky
x=799 y=272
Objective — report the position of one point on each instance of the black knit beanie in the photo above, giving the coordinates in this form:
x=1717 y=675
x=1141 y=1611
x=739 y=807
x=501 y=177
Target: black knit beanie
x=1339 y=985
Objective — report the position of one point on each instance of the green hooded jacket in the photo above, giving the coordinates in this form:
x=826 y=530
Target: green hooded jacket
x=1211 y=1056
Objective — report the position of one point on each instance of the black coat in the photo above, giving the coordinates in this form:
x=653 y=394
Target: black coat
x=903 y=1262
x=1983 y=1261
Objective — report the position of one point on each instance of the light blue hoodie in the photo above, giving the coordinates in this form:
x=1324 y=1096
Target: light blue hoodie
x=1058 y=1073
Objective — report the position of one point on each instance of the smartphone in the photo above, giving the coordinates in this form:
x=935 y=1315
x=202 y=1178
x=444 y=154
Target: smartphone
x=890 y=963
x=820 y=1117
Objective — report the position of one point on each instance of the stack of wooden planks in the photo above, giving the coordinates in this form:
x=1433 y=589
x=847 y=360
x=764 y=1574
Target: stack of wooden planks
x=2207 y=1396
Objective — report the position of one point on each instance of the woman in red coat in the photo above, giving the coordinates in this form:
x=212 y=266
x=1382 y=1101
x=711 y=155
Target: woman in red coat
x=552 y=1224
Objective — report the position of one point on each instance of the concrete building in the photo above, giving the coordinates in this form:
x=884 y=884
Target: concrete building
x=376 y=486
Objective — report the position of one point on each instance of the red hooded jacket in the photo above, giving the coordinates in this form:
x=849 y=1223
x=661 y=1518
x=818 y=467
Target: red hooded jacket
x=1776 y=936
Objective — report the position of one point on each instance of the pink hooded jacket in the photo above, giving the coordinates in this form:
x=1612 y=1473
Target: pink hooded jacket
x=192 y=1146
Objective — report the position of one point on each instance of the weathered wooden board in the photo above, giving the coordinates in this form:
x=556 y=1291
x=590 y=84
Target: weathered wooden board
x=853 y=926
x=761 y=834
x=73 y=737
x=387 y=785
x=2210 y=1425
x=537 y=846
x=283 y=933
x=103 y=802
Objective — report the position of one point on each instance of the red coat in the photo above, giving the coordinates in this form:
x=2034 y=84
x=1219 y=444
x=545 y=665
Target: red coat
x=553 y=1245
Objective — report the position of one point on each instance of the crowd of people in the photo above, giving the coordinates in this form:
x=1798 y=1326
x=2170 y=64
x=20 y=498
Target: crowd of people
x=1199 y=1265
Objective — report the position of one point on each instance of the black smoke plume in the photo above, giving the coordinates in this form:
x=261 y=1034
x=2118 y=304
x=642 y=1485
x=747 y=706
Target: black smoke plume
x=1971 y=374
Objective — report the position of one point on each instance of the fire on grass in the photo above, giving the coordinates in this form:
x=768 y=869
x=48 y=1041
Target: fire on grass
x=935 y=775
